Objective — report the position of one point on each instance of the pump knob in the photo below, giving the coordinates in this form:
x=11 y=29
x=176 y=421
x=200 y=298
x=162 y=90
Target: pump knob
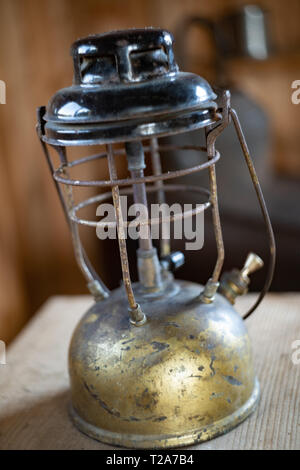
x=236 y=282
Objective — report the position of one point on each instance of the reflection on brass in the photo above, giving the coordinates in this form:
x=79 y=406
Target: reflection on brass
x=235 y=282
x=252 y=264
x=185 y=376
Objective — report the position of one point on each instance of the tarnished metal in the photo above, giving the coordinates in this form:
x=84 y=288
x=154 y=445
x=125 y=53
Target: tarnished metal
x=153 y=221
x=208 y=294
x=178 y=369
x=148 y=265
x=211 y=135
x=149 y=269
x=184 y=377
x=165 y=245
x=95 y=285
x=236 y=282
x=58 y=173
x=121 y=235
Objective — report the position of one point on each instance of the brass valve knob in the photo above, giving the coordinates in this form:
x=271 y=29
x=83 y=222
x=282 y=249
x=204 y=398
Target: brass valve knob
x=253 y=263
x=236 y=282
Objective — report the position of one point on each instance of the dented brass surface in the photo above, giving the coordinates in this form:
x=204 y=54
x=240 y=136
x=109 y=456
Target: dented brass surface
x=185 y=376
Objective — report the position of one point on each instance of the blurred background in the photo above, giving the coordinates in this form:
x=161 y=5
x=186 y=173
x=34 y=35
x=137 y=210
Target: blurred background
x=252 y=49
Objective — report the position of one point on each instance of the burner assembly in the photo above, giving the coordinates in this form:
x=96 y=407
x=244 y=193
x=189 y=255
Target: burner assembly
x=160 y=362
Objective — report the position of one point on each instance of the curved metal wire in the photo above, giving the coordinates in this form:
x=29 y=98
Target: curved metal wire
x=57 y=175
x=263 y=208
x=167 y=188
x=94 y=282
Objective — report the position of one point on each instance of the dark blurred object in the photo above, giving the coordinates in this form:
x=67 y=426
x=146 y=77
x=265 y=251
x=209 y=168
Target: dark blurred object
x=242 y=34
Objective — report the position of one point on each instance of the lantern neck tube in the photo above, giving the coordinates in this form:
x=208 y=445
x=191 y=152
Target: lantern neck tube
x=165 y=245
x=149 y=268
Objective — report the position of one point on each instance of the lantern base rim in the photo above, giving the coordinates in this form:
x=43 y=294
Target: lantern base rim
x=165 y=441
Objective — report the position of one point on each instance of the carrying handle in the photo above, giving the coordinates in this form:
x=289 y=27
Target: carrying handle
x=264 y=211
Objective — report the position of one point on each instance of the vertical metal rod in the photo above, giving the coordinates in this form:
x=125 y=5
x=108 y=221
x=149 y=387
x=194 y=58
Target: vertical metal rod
x=212 y=284
x=165 y=245
x=136 y=164
x=140 y=197
x=217 y=224
x=149 y=268
x=211 y=136
x=120 y=226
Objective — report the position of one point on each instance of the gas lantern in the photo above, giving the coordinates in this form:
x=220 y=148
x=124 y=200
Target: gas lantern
x=160 y=362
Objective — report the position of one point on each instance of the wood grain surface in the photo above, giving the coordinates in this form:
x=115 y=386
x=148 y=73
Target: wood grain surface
x=34 y=393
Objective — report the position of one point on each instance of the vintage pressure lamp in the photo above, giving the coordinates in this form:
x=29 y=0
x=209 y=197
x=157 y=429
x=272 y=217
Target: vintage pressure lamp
x=161 y=362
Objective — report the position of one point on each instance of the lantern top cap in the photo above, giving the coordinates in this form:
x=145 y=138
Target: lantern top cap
x=124 y=51
x=127 y=86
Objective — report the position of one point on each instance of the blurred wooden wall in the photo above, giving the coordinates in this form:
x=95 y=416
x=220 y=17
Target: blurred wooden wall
x=36 y=258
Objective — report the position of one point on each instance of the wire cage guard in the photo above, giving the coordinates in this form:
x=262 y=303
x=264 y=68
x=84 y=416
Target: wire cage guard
x=154 y=183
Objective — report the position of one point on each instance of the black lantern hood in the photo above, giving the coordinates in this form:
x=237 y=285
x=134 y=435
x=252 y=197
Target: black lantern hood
x=127 y=86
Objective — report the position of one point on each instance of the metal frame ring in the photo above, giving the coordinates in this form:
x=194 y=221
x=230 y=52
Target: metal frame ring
x=57 y=174
x=167 y=188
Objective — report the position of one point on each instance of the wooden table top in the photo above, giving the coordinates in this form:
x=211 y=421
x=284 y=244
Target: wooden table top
x=34 y=392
